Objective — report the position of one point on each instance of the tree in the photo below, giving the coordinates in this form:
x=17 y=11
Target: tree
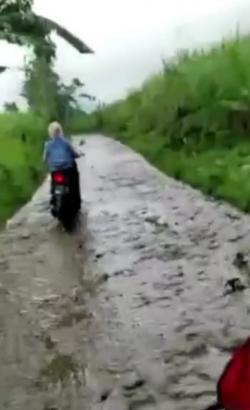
x=40 y=87
x=47 y=95
x=69 y=99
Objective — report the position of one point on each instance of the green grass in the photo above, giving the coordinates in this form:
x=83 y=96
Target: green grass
x=80 y=123
x=225 y=174
x=192 y=120
x=20 y=162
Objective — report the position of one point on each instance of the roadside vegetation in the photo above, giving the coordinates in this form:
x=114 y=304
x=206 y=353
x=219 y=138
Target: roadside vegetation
x=21 y=137
x=192 y=120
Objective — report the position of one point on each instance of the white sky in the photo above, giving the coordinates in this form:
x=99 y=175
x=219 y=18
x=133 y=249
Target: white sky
x=129 y=37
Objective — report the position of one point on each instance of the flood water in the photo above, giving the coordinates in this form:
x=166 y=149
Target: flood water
x=129 y=312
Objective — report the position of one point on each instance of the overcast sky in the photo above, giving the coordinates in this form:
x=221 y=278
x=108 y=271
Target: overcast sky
x=130 y=38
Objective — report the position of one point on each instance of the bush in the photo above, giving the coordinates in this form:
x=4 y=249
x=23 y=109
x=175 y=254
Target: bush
x=21 y=140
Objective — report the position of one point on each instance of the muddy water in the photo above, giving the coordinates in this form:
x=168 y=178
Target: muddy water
x=130 y=311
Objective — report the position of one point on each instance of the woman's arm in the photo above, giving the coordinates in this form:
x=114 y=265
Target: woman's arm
x=76 y=153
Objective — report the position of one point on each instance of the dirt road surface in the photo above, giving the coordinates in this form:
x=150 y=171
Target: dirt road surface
x=130 y=311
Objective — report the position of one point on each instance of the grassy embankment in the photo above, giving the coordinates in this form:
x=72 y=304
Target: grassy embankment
x=20 y=161
x=192 y=120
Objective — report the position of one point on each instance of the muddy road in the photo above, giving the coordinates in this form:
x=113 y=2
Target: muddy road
x=130 y=311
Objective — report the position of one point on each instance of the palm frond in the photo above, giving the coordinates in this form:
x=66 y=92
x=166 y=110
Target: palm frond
x=51 y=25
x=31 y=28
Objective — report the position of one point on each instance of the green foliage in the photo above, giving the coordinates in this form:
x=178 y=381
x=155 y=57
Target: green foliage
x=194 y=101
x=47 y=95
x=21 y=140
x=41 y=87
x=80 y=122
x=15 y=6
x=193 y=120
x=11 y=107
x=19 y=25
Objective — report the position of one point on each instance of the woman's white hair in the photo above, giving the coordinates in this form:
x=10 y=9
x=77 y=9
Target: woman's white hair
x=55 y=129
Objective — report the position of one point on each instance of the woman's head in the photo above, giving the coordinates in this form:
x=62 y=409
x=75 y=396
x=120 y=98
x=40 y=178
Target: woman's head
x=55 y=129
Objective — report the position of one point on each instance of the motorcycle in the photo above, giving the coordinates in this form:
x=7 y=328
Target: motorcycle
x=64 y=204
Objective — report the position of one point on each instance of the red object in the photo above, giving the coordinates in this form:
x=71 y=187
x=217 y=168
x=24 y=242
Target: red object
x=58 y=177
x=234 y=384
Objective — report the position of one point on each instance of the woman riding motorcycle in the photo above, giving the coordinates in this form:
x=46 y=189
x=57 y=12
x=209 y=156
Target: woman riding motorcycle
x=60 y=155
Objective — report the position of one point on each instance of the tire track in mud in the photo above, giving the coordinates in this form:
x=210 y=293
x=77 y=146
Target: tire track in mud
x=130 y=312
x=42 y=287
